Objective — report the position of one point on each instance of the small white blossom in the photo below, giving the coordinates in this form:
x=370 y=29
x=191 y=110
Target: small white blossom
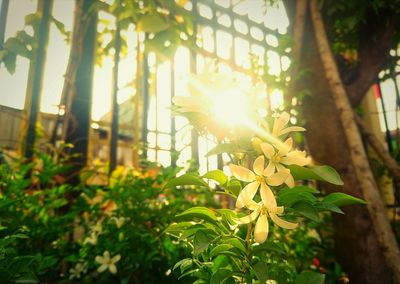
x=107 y=262
x=75 y=272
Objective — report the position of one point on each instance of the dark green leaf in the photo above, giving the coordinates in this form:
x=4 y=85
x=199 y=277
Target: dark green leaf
x=201 y=241
x=342 y=199
x=221 y=249
x=329 y=206
x=307 y=210
x=221 y=276
x=269 y=246
x=310 y=277
x=260 y=269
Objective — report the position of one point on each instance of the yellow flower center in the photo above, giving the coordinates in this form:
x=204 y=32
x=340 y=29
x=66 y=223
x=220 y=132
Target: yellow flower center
x=275 y=159
x=259 y=179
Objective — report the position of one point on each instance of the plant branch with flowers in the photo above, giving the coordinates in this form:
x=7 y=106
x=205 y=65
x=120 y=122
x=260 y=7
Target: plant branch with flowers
x=268 y=180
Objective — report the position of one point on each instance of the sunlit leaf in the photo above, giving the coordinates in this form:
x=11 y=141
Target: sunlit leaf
x=217 y=175
x=261 y=271
x=201 y=241
x=201 y=213
x=186 y=179
x=152 y=23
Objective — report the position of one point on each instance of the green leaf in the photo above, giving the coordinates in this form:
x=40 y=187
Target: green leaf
x=323 y=173
x=201 y=213
x=222 y=249
x=10 y=62
x=186 y=179
x=261 y=271
x=307 y=210
x=217 y=175
x=269 y=246
x=310 y=277
x=236 y=243
x=288 y=196
x=152 y=23
x=184 y=264
x=201 y=241
x=342 y=199
x=221 y=276
x=328 y=206
x=234 y=187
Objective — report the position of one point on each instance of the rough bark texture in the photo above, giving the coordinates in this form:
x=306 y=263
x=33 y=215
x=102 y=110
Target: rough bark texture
x=356 y=241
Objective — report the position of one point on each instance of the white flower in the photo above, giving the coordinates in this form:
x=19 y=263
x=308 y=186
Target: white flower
x=283 y=156
x=267 y=207
x=119 y=221
x=107 y=262
x=280 y=123
x=92 y=239
x=255 y=179
x=78 y=270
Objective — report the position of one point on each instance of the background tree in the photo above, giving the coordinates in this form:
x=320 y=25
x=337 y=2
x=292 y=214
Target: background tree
x=361 y=34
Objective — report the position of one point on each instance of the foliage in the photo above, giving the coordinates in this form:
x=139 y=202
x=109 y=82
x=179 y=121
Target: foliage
x=52 y=232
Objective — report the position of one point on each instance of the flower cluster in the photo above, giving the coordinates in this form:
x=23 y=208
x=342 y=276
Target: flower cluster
x=279 y=154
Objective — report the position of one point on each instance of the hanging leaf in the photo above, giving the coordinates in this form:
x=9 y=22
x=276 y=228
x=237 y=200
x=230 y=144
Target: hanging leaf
x=152 y=23
x=342 y=199
x=288 y=196
x=261 y=271
x=186 y=179
x=323 y=173
x=10 y=62
x=201 y=241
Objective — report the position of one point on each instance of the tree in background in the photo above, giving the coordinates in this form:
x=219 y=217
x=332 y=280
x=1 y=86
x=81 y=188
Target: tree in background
x=361 y=34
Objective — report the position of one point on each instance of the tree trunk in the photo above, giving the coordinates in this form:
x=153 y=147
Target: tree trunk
x=360 y=254
x=114 y=104
x=81 y=99
x=37 y=64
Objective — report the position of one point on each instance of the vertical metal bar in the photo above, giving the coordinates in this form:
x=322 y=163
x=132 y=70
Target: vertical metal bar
x=145 y=88
x=387 y=132
x=114 y=103
x=173 y=128
x=193 y=69
x=45 y=7
x=3 y=21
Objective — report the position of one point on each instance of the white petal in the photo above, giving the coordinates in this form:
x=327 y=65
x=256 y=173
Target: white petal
x=258 y=165
x=290 y=181
x=261 y=229
x=99 y=259
x=252 y=205
x=247 y=194
x=113 y=268
x=241 y=173
x=267 y=196
x=279 y=210
x=282 y=223
x=285 y=147
x=268 y=150
x=296 y=157
x=279 y=123
x=116 y=258
x=291 y=129
x=277 y=178
x=247 y=219
x=102 y=268
x=106 y=254
x=269 y=170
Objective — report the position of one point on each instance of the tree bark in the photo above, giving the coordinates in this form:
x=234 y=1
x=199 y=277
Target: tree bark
x=358 y=158
x=81 y=99
x=114 y=104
